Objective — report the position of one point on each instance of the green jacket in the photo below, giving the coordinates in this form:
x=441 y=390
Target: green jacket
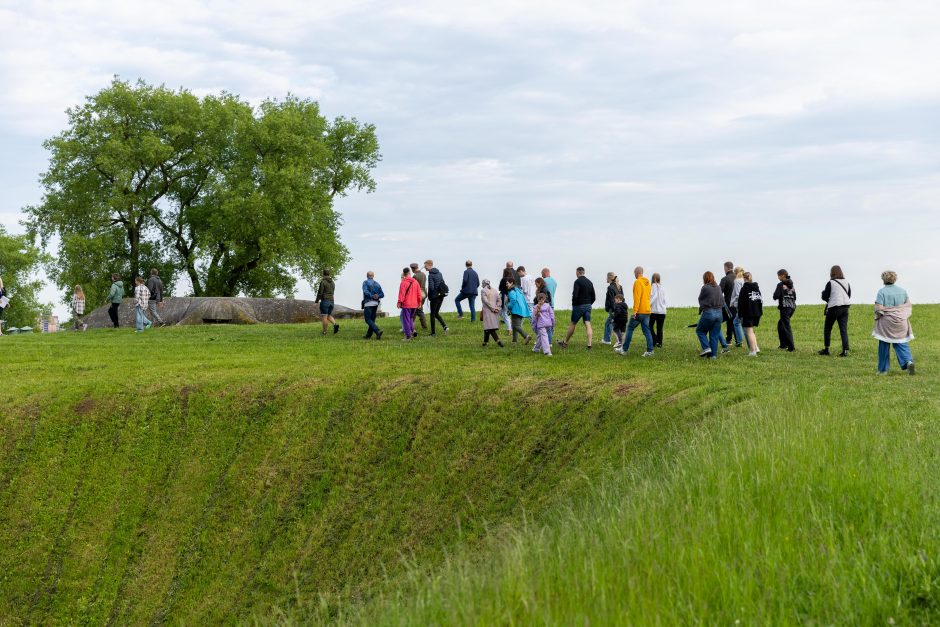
x=116 y=295
x=326 y=289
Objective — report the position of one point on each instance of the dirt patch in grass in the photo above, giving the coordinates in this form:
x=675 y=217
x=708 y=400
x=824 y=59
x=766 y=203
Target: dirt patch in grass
x=86 y=406
x=184 y=393
x=626 y=389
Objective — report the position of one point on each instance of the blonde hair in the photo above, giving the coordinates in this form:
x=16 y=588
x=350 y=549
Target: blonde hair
x=747 y=276
x=78 y=291
x=612 y=278
x=739 y=272
x=889 y=277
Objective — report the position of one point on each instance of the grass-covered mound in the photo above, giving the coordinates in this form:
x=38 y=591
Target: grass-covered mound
x=201 y=474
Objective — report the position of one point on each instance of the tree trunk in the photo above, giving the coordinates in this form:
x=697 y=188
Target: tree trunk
x=133 y=237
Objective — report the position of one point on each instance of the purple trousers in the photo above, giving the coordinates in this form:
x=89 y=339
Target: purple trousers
x=541 y=341
x=408 y=322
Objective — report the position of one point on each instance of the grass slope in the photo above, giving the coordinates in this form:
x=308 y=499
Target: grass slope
x=205 y=474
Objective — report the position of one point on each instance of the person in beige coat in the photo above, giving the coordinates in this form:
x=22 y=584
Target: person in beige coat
x=491 y=308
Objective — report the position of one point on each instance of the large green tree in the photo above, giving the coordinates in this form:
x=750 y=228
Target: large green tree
x=237 y=199
x=20 y=261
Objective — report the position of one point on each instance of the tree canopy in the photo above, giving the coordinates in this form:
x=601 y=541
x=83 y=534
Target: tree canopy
x=236 y=199
x=19 y=262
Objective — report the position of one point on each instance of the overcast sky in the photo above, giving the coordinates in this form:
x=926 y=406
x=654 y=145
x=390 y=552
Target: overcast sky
x=673 y=135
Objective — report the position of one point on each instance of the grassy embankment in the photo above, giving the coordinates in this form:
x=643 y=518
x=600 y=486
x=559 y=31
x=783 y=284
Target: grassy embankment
x=206 y=473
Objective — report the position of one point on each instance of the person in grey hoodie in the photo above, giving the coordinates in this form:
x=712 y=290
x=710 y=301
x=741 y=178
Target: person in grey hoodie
x=115 y=296
x=155 y=285
x=437 y=291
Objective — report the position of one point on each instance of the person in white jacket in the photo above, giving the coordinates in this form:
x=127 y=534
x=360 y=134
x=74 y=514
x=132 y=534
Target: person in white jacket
x=528 y=288
x=658 y=309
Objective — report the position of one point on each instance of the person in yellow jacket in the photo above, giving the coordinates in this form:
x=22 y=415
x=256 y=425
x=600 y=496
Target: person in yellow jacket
x=641 y=313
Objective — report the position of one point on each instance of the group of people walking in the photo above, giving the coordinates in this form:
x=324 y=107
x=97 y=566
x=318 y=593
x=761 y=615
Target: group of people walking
x=148 y=299
x=735 y=303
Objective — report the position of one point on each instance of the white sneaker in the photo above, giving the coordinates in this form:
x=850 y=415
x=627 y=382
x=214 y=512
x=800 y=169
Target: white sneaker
x=604 y=342
x=618 y=345
x=752 y=354
x=618 y=350
x=647 y=354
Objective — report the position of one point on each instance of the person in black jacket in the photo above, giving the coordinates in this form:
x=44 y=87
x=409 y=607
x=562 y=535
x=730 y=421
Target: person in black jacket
x=437 y=291
x=727 y=288
x=785 y=295
x=613 y=288
x=582 y=297
x=621 y=315
x=750 y=308
x=155 y=285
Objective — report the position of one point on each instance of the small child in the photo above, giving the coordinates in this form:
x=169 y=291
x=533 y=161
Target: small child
x=621 y=313
x=543 y=321
x=78 y=308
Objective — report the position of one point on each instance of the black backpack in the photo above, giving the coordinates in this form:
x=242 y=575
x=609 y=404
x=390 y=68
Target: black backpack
x=442 y=289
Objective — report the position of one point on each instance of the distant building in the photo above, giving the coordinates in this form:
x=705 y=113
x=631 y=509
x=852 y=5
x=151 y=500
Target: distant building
x=49 y=323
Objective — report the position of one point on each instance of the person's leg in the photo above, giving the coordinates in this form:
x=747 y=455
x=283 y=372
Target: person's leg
x=903 y=352
x=138 y=318
x=629 y=338
x=844 y=328
x=473 y=307
x=884 y=356
x=729 y=329
x=551 y=335
x=325 y=321
x=608 y=327
x=439 y=303
x=113 y=314
x=738 y=329
x=618 y=333
x=154 y=314
x=827 y=329
x=408 y=318
x=645 y=328
x=504 y=311
x=543 y=340
x=590 y=332
x=787 y=328
x=516 y=327
x=722 y=341
x=701 y=331
x=421 y=317
x=369 y=314
x=752 y=340
x=715 y=335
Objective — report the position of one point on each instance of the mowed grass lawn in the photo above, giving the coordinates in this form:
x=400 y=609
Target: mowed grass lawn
x=224 y=473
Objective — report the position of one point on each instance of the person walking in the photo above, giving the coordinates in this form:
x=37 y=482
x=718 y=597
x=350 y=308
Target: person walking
x=750 y=308
x=550 y=284
x=621 y=313
x=490 y=303
x=641 y=312
x=541 y=287
x=893 y=311
x=4 y=301
x=422 y=280
x=785 y=295
x=409 y=299
x=838 y=298
x=527 y=284
x=657 y=310
x=325 y=295
x=516 y=279
x=711 y=301
x=155 y=285
x=372 y=295
x=504 y=295
x=582 y=297
x=727 y=289
x=437 y=292
x=469 y=288
x=115 y=296
x=519 y=310
x=543 y=319
x=141 y=301
x=735 y=297
x=613 y=288
x=78 y=308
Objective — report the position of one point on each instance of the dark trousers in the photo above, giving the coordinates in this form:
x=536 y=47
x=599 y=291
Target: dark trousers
x=783 y=328
x=491 y=333
x=729 y=325
x=112 y=313
x=838 y=314
x=436 y=313
x=419 y=314
x=656 y=326
x=517 y=329
x=368 y=315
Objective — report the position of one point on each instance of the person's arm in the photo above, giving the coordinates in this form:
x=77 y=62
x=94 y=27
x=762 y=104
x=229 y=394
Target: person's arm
x=848 y=289
x=575 y=292
x=826 y=293
x=778 y=293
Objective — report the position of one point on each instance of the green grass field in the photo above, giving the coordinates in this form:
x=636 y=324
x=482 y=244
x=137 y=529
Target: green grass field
x=220 y=474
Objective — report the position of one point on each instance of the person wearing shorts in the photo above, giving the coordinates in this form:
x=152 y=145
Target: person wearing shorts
x=582 y=297
x=325 y=294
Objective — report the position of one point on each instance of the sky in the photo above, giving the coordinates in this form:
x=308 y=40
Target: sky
x=671 y=135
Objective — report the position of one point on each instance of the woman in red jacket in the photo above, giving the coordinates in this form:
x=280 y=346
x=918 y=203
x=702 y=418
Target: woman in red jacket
x=409 y=299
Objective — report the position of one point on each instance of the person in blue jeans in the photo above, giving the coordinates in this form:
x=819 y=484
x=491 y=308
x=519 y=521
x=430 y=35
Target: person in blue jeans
x=893 y=325
x=613 y=288
x=468 y=291
x=711 y=301
x=641 y=312
x=372 y=295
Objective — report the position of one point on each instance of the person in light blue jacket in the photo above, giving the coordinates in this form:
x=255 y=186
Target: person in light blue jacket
x=372 y=294
x=518 y=311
